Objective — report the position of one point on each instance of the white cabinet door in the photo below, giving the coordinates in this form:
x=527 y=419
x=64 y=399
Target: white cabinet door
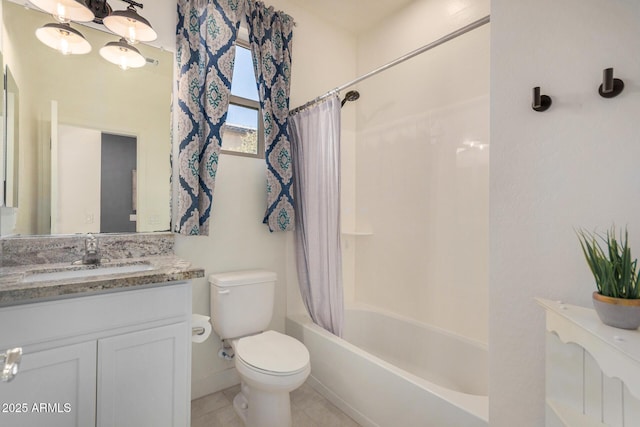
x=55 y=387
x=143 y=378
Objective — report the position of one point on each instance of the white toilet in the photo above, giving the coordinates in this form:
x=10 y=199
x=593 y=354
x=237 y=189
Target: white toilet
x=270 y=364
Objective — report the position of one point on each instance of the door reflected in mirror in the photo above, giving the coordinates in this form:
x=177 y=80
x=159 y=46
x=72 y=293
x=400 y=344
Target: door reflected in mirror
x=11 y=138
x=92 y=94
x=93 y=182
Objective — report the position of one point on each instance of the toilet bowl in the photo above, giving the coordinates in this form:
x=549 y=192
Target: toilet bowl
x=270 y=365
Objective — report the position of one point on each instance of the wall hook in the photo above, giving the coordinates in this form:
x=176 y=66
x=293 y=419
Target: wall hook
x=610 y=87
x=540 y=102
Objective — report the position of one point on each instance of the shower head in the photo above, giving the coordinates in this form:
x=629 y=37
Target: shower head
x=352 y=95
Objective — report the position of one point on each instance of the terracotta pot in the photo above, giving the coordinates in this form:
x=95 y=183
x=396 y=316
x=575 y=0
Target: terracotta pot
x=617 y=312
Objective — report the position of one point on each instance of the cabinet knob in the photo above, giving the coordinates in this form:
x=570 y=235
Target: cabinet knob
x=11 y=359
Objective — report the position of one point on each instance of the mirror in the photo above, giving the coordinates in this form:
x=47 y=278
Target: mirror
x=85 y=92
x=3 y=149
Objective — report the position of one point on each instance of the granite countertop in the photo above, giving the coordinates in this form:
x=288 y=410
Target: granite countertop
x=163 y=270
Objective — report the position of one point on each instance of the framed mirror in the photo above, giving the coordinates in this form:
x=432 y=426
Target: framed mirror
x=58 y=92
x=3 y=145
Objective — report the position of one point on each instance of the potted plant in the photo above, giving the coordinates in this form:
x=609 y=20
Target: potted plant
x=617 y=300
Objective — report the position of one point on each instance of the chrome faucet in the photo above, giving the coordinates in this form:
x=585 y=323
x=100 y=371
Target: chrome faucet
x=91 y=255
x=11 y=359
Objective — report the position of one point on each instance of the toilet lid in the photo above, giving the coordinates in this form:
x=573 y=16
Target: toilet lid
x=274 y=352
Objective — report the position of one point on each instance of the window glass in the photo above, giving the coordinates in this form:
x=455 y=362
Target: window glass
x=241 y=130
x=244 y=79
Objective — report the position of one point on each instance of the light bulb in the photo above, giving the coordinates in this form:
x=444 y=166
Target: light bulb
x=132 y=34
x=61 y=14
x=64 y=46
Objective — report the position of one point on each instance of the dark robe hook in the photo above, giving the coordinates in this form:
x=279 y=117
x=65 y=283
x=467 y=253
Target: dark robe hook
x=540 y=102
x=610 y=87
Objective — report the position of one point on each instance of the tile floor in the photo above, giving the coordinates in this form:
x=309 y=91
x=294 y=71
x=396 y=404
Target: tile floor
x=308 y=409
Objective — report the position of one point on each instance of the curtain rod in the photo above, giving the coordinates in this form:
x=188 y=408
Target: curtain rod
x=480 y=22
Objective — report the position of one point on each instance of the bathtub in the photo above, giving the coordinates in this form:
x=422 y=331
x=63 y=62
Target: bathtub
x=393 y=371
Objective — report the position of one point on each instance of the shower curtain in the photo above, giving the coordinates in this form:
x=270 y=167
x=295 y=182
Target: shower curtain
x=315 y=146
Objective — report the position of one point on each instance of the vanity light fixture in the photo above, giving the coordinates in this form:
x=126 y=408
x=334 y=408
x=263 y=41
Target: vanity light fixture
x=129 y=25
x=123 y=54
x=63 y=38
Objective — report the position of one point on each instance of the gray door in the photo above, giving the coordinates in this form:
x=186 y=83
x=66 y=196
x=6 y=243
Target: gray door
x=117 y=182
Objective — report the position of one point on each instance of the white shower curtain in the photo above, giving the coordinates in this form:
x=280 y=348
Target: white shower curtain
x=315 y=146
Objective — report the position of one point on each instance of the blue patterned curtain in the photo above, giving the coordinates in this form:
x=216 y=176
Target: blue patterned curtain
x=205 y=54
x=270 y=34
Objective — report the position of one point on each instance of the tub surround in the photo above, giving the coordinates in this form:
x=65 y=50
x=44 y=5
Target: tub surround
x=25 y=256
x=399 y=391
x=435 y=355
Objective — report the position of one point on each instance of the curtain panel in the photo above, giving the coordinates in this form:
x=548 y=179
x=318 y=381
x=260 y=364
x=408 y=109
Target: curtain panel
x=270 y=36
x=205 y=53
x=315 y=143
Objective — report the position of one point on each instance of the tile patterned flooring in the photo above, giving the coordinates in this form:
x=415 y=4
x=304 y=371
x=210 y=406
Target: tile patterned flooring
x=308 y=409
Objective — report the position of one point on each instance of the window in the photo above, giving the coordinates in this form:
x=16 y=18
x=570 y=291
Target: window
x=242 y=132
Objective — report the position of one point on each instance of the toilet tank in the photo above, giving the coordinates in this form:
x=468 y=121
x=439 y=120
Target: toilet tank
x=241 y=302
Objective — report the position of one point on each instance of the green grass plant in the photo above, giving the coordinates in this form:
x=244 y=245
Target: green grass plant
x=610 y=261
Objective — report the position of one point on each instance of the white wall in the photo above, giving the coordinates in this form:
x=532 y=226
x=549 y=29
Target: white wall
x=419 y=23
x=420 y=189
x=238 y=239
x=7 y=221
x=575 y=165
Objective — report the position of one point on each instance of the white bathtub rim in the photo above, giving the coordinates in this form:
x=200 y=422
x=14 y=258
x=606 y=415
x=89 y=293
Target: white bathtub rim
x=473 y=404
x=366 y=307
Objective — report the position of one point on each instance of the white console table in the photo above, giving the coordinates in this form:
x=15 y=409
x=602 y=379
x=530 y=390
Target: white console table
x=592 y=370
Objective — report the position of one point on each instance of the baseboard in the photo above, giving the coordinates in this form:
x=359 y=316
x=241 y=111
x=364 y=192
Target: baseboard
x=213 y=383
x=357 y=416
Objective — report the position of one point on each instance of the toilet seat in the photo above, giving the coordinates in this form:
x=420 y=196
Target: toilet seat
x=272 y=353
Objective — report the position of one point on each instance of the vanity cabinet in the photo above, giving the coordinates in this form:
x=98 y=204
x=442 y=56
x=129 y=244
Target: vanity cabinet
x=54 y=387
x=110 y=360
x=142 y=379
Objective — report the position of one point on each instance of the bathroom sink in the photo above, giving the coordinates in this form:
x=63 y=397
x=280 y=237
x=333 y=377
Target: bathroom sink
x=87 y=272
